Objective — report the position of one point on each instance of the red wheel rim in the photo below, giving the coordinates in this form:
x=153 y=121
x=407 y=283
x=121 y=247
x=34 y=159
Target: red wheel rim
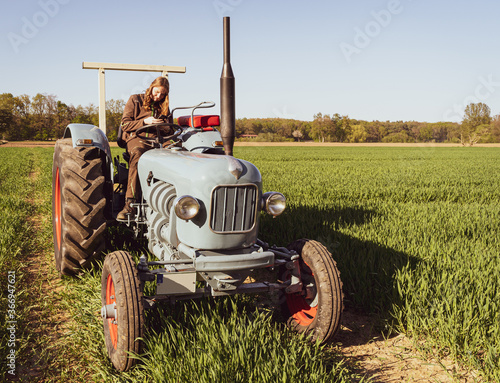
x=300 y=309
x=57 y=210
x=110 y=299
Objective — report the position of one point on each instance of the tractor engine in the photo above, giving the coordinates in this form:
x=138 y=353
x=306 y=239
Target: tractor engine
x=200 y=201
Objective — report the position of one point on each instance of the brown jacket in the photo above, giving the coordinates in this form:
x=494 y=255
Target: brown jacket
x=134 y=115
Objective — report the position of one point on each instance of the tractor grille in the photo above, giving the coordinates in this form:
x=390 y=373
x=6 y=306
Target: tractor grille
x=233 y=208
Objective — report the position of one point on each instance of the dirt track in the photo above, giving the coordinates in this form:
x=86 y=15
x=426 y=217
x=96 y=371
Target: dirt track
x=370 y=144
x=291 y=144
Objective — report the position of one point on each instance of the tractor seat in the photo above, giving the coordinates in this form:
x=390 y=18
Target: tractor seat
x=204 y=121
x=122 y=144
x=119 y=139
x=126 y=156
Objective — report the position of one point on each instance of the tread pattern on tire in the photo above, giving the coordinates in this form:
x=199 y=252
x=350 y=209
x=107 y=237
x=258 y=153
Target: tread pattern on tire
x=130 y=309
x=330 y=306
x=82 y=205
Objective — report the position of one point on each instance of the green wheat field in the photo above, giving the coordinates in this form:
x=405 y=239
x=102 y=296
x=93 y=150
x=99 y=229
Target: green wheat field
x=414 y=231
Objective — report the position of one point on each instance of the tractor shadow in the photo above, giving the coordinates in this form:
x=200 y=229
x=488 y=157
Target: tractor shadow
x=367 y=269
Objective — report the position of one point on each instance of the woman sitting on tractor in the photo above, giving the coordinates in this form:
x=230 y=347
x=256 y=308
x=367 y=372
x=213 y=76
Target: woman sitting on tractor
x=140 y=110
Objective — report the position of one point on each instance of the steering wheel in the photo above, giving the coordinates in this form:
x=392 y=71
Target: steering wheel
x=162 y=133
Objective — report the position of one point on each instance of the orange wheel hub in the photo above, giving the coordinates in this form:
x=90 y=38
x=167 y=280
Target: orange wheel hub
x=110 y=299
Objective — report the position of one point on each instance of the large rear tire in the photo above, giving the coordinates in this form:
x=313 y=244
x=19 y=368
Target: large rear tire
x=120 y=286
x=78 y=205
x=319 y=313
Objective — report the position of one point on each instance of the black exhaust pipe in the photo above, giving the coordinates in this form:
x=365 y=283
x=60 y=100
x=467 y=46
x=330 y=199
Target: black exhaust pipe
x=228 y=109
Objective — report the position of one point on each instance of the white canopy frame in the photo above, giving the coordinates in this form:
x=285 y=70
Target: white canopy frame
x=102 y=67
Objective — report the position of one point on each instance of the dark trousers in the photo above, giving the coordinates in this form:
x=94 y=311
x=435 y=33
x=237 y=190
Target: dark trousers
x=136 y=148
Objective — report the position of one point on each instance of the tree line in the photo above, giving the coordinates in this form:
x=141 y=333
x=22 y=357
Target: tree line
x=477 y=126
x=44 y=117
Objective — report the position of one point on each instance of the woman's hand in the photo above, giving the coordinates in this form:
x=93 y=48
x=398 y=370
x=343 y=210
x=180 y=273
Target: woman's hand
x=152 y=120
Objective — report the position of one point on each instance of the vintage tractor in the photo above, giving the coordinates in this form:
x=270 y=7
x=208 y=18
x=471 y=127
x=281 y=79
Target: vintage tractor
x=199 y=215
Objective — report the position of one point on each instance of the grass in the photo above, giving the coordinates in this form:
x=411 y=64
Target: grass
x=66 y=344
x=20 y=191
x=414 y=232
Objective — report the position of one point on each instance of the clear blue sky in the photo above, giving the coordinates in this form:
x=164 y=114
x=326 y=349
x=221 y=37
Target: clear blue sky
x=373 y=60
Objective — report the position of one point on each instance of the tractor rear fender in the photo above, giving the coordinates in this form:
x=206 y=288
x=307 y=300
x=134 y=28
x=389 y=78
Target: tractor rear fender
x=81 y=132
x=88 y=135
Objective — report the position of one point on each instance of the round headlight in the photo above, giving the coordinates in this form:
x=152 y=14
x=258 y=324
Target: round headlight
x=186 y=207
x=274 y=203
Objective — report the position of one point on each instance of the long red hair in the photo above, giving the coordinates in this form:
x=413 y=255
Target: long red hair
x=148 y=97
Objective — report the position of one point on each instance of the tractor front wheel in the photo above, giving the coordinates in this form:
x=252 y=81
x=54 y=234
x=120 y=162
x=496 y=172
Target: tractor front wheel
x=317 y=309
x=122 y=309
